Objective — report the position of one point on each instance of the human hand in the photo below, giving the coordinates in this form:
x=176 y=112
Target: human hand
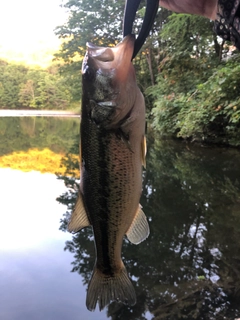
x=206 y=8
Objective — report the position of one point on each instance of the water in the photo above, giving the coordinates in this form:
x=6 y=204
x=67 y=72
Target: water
x=188 y=268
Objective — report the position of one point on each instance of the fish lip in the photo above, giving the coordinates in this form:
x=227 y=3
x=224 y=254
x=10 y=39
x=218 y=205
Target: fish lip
x=103 y=54
x=111 y=56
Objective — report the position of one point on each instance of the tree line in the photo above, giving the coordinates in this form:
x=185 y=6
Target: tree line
x=24 y=87
x=189 y=76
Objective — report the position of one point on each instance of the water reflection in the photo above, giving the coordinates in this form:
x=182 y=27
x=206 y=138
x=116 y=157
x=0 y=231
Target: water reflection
x=22 y=134
x=35 y=280
x=36 y=143
x=189 y=266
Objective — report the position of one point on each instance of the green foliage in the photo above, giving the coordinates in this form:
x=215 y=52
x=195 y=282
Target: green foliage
x=11 y=77
x=25 y=87
x=215 y=108
x=196 y=94
x=211 y=113
x=192 y=34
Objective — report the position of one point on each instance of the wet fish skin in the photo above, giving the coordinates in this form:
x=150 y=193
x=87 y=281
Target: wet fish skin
x=112 y=154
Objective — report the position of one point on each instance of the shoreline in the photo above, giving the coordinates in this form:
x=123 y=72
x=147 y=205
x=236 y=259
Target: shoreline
x=38 y=113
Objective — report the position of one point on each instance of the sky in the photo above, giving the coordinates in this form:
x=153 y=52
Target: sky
x=27 y=25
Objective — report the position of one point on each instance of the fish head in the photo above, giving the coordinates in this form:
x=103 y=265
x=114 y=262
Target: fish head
x=109 y=83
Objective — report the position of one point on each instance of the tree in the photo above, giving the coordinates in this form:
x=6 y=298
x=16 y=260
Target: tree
x=25 y=87
x=27 y=94
x=192 y=57
x=11 y=76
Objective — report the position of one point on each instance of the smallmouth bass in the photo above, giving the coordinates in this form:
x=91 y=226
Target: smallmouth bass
x=112 y=152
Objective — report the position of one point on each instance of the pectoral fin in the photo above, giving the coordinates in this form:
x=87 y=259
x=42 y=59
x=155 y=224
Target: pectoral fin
x=139 y=229
x=124 y=137
x=144 y=151
x=79 y=217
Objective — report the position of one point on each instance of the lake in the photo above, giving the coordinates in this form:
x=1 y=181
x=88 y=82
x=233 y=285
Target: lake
x=188 y=268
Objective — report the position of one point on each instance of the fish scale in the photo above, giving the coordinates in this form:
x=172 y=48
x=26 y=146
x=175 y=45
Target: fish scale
x=110 y=192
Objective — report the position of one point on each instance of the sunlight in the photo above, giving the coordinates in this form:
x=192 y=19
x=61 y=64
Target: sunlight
x=27 y=27
x=29 y=213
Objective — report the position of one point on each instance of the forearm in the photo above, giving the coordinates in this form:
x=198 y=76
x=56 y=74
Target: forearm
x=206 y=8
x=226 y=15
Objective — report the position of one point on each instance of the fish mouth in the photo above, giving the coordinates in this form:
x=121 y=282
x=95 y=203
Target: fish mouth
x=111 y=57
x=100 y=53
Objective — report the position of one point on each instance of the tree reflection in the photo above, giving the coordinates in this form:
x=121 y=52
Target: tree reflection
x=24 y=133
x=188 y=268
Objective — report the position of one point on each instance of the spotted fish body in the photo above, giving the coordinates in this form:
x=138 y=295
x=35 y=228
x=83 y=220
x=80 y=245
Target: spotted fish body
x=112 y=152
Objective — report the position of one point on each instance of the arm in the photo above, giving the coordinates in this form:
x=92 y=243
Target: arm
x=226 y=15
x=206 y=8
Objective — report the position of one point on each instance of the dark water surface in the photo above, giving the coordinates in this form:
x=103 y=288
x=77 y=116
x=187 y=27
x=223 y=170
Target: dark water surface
x=188 y=268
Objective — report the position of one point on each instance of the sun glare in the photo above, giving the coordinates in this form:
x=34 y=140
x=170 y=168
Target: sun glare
x=27 y=27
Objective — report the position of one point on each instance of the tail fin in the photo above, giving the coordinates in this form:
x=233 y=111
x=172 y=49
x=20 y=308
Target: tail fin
x=105 y=288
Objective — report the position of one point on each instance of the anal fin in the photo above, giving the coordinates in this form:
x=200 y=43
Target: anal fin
x=78 y=219
x=139 y=229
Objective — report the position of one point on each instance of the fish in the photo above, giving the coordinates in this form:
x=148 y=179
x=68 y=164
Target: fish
x=112 y=154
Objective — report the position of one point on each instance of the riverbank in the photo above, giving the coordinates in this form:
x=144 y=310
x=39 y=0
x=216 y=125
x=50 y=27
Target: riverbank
x=37 y=113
